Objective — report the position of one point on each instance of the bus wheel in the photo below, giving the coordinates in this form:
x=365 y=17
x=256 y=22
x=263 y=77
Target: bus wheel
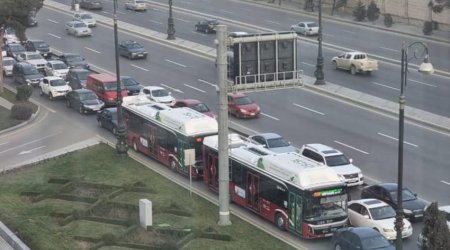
x=135 y=146
x=280 y=222
x=173 y=165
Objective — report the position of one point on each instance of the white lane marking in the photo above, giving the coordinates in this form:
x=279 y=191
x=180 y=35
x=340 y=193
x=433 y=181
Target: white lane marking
x=226 y=11
x=386 y=86
x=246 y=128
x=396 y=50
x=312 y=65
x=272 y=117
x=395 y=139
x=312 y=110
x=210 y=84
x=426 y=84
x=179 y=64
x=172 y=88
x=53 y=35
x=106 y=12
x=192 y=87
x=30 y=142
x=52 y=21
x=269 y=21
x=31 y=150
x=139 y=67
x=348 y=146
x=93 y=50
x=183 y=20
x=448 y=183
x=153 y=21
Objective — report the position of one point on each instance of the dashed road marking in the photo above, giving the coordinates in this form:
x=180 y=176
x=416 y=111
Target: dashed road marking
x=386 y=86
x=144 y=69
x=396 y=50
x=153 y=21
x=423 y=83
x=52 y=21
x=348 y=146
x=309 y=109
x=210 y=84
x=308 y=64
x=172 y=88
x=53 y=35
x=93 y=50
x=192 y=87
x=395 y=139
x=271 y=117
x=179 y=64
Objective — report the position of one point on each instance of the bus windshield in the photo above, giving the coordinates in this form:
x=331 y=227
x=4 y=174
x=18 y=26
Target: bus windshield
x=326 y=207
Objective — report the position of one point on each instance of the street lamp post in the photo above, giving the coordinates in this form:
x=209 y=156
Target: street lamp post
x=121 y=145
x=425 y=68
x=171 y=25
x=320 y=78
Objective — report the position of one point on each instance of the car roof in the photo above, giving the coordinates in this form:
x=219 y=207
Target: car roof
x=362 y=232
x=308 y=22
x=71 y=54
x=8 y=58
x=76 y=22
x=445 y=208
x=80 y=91
x=103 y=77
x=152 y=87
x=323 y=149
x=50 y=78
x=269 y=135
x=370 y=202
x=388 y=186
x=36 y=41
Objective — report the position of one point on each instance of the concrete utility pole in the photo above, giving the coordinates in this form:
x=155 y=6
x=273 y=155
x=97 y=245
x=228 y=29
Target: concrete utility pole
x=224 y=194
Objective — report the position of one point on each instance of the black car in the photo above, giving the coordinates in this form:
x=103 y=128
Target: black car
x=74 y=61
x=359 y=238
x=38 y=46
x=107 y=118
x=207 y=26
x=91 y=4
x=84 y=100
x=132 y=50
x=25 y=73
x=14 y=49
x=133 y=87
x=413 y=208
x=77 y=78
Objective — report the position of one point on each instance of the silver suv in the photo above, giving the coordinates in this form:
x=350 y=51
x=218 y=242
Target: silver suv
x=334 y=158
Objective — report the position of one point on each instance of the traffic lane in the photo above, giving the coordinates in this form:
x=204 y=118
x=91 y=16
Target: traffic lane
x=347 y=35
x=363 y=136
x=425 y=92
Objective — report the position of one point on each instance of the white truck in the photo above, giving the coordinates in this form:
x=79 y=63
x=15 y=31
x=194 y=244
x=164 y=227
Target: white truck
x=355 y=61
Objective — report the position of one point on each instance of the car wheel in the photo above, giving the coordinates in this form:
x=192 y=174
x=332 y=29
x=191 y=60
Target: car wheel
x=173 y=165
x=80 y=109
x=280 y=221
x=353 y=70
x=335 y=65
x=41 y=92
x=50 y=96
x=68 y=104
x=338 y=247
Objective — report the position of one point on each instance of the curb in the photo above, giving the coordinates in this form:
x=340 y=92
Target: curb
x=11 y=238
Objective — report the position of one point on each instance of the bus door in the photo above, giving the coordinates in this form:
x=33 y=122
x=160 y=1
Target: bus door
x=253 y=191
x=295 y=212
x=212 y=171
x=152 y=142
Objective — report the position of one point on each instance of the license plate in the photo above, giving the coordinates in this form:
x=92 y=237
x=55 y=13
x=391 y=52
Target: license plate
x=140 y=55
x=419 y=215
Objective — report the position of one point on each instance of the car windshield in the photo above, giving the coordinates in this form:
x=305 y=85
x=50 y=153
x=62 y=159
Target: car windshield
x=129 y=82
x=134 y=46
x=58 y=82
x=30 y=71
x=374 y=242
x=8 y=62
x=86 y=16
x=16 y=48
x=139 y=2
x=407 y=195
x=74 y=59
x=83 y=75
x=277 y=142
x=88 y=96
x=59 y=66
x=243 y=100
x=80 y=25
x=109 y=86
x=200 y=107
x=34 y=57
x=337 y=160
x=312 y=25
x=381 y=213
x=326 y=207
x=160 y=93
x=41 y=45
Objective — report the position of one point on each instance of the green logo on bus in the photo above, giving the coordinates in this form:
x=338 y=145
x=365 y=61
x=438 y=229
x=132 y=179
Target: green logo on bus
x=260 y=163
x=331 y=191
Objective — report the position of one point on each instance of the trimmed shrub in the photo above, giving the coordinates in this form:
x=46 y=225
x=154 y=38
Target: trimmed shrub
x=109 y=239
x=24 y=93
x=360 y=12
x=373 y=12
x=427 y=28
x=21 y=111
x=388 y=21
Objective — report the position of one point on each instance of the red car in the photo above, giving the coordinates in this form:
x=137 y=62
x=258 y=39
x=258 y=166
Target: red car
x=240 y=105
x=195 y=105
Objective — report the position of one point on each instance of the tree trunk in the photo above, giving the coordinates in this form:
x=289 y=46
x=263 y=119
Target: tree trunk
x=1 y=64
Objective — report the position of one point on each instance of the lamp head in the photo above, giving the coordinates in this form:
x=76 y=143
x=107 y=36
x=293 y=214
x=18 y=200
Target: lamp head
x=426 y=68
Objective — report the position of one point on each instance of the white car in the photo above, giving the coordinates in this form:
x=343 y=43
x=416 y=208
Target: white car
x=306 y=28
x=78 y=28
x=8 y=63
x=334 y=158
x=56 y=68
x=33 y=58
x=136 y=5
x=54 y=87
x=157 y=94
x=10 y=36
x=378 y=215
x=85 y=18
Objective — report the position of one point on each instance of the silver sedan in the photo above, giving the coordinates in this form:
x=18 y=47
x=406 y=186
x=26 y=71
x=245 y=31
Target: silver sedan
x=78 y=28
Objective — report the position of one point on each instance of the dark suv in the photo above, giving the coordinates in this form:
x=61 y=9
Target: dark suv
x=38 y=46
x=77 y=78
x=74 y=61
x=132 y=50
x=207 y=26
x=25 y=73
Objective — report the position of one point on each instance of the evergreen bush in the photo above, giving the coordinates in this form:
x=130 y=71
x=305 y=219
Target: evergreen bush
x=24 y=93
x=21 y=111
x=388 y=21
x=373 y=12
x=427 y=28
x=360 y=12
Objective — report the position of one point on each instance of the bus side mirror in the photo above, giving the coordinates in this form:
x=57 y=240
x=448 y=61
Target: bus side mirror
x=350 y=160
